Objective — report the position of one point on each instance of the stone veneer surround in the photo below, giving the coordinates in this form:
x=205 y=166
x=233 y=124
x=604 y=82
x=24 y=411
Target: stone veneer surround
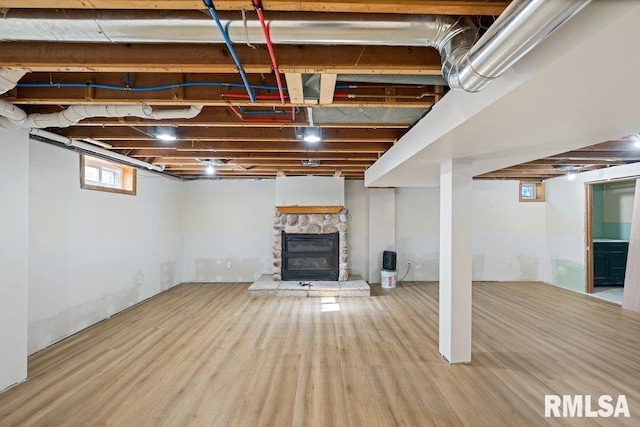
x=313 y=223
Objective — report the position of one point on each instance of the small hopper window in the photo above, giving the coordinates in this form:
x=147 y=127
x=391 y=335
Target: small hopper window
x=531 y=192
x=102 y=175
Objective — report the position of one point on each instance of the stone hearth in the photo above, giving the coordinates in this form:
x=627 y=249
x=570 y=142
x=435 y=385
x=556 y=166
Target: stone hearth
x=313 y=223
x=265 y=286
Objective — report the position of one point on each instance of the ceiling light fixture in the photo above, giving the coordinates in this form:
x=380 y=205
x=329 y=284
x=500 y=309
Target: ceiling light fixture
x=637 y=144
x=312 y=135
x=311 y=163
x=209 y=166
x=571 y=176
x=166 y=137
x=163 y=133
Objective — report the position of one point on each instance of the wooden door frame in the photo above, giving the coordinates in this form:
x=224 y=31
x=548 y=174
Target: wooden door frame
x=588 y=240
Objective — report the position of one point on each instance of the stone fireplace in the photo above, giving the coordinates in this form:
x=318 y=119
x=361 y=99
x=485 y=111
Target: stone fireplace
x=310 y=220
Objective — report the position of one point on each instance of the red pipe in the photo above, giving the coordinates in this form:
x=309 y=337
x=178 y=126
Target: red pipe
x=257 y=5
x=266 y=120
x=236 y=112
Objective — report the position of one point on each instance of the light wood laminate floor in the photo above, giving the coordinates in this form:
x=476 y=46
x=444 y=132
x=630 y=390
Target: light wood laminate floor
x=209 y=355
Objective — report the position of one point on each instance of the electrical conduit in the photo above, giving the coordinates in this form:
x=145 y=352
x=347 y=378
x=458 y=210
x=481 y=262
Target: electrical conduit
x=93 y=149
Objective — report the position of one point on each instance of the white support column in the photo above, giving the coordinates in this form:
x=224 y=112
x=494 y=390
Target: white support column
x=382 y=228
x=455 y=260
x=14 y=246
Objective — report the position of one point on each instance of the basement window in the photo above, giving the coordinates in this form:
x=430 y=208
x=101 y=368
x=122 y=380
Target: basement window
x=531 y=191
x=102 y=175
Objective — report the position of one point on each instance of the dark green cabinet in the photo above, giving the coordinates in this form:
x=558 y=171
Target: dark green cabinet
x=609 y=263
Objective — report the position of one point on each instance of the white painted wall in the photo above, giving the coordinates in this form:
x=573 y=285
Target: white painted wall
x=14 y=232
x=508 y=235
x=382 y=228
x=309 y=191
x=418 y=232
x=357 y=202
x=88 y=248
x=227 y=221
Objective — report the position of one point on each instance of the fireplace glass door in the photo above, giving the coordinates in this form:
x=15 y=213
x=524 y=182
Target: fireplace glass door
x=310 y=256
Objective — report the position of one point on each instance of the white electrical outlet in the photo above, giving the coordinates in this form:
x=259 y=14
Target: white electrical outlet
x=140 y=279
x=229 y=264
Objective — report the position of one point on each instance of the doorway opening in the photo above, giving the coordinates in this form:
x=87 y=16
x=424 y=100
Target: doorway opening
x=608 y=227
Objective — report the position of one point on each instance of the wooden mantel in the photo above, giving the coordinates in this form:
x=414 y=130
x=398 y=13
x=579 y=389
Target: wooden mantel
x=309 y=209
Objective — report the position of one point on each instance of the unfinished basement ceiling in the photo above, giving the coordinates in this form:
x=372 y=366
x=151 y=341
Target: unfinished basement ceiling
x=170 y=55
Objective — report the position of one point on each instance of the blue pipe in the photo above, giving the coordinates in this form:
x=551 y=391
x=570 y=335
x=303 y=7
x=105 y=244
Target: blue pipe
x=142 y=88
x=229 y=44
x=267 y=112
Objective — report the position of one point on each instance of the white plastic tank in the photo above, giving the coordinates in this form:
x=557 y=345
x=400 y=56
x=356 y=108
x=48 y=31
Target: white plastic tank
x=388 y=278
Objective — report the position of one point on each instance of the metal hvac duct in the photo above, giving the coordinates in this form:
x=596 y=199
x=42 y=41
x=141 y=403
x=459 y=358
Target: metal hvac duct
x=522 y=26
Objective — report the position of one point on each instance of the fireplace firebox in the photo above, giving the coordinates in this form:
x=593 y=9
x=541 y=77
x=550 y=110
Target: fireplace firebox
x=310 y=256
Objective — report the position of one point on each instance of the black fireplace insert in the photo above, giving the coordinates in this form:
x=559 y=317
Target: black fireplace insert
x=310 y=256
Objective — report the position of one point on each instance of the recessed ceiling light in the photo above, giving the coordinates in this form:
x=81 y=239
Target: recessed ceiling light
x=312 y=135
x=166 y=137
x=311 y=163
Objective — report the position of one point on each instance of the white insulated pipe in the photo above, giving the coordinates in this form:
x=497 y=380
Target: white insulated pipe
x=75 y=113
x=9 y=78
x=11 y=112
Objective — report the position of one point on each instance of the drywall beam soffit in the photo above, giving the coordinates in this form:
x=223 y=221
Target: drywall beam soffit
x=540 y=107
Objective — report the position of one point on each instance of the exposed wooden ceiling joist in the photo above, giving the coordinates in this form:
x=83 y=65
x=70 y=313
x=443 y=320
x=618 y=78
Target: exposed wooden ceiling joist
x=270 y=145
x=609 y=153
x=215 y=58
x=246 y=155
x=264 y=147
x=445 y=7
x=359 y=136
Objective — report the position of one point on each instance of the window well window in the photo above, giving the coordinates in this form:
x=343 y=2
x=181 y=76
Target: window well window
x=102 y=175
x=531 y=191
